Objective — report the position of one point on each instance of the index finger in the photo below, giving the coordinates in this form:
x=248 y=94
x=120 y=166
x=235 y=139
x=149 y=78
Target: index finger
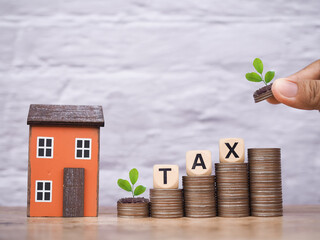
x=312 y=71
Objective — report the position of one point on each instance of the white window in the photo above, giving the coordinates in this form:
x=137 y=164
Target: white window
x=83 y=148
x=45 y=147
x=43 y=191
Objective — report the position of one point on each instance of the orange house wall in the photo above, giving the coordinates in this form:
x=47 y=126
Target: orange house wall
x=52 y=168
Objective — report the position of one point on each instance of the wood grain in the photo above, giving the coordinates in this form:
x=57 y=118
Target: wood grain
x=29 y=176
x=298 y=222
x=65 y=115
x=73 y=192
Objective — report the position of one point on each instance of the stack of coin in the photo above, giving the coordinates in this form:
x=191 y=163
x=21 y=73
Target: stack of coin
x=199 y=196
x=265 y=182
x=263 y=93
x=166 y=203
x=133 y=207
x=232 y=189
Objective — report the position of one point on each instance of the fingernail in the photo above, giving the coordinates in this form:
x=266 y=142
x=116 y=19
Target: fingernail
x=287 y=88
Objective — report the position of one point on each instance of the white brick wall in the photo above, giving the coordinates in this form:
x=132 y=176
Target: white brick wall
x=170 y=76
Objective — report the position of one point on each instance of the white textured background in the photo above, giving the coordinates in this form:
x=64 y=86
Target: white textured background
x=170 y=76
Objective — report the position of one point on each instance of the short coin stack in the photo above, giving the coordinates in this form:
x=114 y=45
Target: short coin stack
x=265 y=182
x=133 y=207
x=232 y=189
x=199 y=196
x=166 y=203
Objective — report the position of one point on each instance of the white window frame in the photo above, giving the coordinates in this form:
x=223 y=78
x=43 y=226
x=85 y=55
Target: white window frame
x=43 y=190
x=83 y=148
x=45 y=147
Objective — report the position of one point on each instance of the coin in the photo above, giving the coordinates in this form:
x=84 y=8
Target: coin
x=232 y=189
x=262 y=93
x=134 y=209
x=166 y=203
x=199 y=196
x=265 y=181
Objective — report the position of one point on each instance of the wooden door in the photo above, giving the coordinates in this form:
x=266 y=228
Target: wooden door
x=73 y=192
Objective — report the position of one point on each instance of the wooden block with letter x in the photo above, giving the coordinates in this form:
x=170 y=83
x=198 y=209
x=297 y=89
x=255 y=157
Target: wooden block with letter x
x=198 y=163
x=231 y=150
x=166 y=176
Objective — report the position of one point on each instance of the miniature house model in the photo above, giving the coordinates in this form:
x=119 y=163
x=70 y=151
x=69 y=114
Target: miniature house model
x=63 y=167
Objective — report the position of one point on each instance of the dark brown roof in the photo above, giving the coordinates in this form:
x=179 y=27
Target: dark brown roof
x=65 y=115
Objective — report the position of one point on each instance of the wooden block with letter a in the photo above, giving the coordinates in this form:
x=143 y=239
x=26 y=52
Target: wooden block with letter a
x=73 y=192
x=198 y=163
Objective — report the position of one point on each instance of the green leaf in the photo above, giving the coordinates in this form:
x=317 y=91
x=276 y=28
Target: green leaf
x=253 y=77
x=139 y=190
x=124 y=184
x=133 y=175
x=269 y=76
x=258 y=65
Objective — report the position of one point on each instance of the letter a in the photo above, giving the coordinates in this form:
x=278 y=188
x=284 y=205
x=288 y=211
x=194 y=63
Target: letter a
x=195 y=163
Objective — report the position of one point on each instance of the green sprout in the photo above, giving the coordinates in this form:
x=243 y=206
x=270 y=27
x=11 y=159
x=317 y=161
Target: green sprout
x=255 y=77
x=125 y=185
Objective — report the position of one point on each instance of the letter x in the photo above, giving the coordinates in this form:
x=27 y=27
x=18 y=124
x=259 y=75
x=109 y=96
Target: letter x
x=231 y=150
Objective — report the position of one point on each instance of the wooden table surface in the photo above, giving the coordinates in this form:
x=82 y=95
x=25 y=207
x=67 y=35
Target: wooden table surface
x=298 y=222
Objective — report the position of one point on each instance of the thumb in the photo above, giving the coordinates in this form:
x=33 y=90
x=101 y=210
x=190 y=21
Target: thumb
x=302 y=94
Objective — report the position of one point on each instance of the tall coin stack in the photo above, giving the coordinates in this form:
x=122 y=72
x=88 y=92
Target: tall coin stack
x=199 y=196
x=265 y=182
x=232 y=189
x=166 y=203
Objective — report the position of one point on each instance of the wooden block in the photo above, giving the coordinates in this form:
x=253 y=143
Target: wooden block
x=165 y=176
x=198 y=163
x=73 y=192
x=231 y=150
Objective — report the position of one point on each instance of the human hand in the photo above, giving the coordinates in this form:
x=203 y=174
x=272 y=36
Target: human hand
x=300 y=90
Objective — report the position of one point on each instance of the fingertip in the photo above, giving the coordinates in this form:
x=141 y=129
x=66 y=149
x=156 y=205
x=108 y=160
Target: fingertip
x=275 y=91
x=281 y=89
x=285 y=90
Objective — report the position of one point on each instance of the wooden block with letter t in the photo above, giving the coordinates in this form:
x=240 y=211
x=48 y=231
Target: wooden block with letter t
x=231 y=150
x=166 y=176
x=198 y=163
